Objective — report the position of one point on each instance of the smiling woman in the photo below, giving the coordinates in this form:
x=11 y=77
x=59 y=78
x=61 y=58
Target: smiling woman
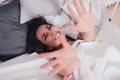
x=43 y=36
x=33 y=25
x=89 y=56
x=61 y=63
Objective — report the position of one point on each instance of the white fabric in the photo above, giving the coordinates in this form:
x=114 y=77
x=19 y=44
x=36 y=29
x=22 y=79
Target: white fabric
x=61 y=19
x=109 y=33
x=99 y=61
x=4 y=2
x=1 y=1
x=34 y=8
x=25 y=67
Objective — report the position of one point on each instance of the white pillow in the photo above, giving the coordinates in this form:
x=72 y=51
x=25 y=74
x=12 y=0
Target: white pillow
x=34 y=8
x=60 y=19
x=4 y=2
x=1 y=1
x=98 y=9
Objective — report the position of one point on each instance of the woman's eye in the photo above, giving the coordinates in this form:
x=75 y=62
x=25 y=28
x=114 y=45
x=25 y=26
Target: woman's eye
x=45 y=36
x=49 y=27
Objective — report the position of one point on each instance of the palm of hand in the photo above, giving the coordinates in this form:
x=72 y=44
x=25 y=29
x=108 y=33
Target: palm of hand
x=85 y=23
x=62 y=60
x=67 y=58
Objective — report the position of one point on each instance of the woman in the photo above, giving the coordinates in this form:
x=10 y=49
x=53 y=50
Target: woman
x=83 y=18
x=94 y=60
x=35 y=45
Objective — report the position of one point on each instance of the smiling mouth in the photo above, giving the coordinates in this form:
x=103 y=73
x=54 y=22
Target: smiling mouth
x=57 y=35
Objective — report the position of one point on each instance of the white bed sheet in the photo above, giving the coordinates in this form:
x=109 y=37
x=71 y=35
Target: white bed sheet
x=26 y=67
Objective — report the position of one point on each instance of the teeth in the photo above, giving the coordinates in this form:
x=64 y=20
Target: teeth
x=57 y=35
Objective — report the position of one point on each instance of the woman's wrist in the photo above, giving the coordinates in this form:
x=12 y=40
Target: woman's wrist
x=89 y=36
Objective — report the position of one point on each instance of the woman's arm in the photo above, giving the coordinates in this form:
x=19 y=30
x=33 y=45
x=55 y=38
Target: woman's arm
x=64 y=59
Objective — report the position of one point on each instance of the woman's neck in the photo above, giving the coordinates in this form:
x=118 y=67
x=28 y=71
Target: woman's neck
x=70 y=42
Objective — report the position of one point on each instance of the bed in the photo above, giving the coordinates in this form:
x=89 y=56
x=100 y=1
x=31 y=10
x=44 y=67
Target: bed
x=29 y=64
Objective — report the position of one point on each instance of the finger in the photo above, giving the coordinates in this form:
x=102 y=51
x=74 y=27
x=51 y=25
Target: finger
x=72 y=13
x=65 y=76
x=56 y=70
x=77 y=6
x=82 y=6
x=49 y=64
x=53 y=54
x=90 y=7
x=69 y=25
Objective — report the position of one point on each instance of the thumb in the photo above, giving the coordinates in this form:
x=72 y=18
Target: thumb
x=70 y=25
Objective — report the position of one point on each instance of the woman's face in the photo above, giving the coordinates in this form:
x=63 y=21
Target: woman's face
x=50 y=35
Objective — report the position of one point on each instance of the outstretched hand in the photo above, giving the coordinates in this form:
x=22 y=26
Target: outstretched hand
x=84 y=21
x=62 y=60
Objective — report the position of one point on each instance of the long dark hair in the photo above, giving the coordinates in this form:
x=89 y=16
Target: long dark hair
x=33 y=44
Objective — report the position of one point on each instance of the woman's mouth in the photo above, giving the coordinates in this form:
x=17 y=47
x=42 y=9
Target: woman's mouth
x=57 y=35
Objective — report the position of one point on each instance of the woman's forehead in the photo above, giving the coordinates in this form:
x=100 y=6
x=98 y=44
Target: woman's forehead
x=42 y=27
x=40 y=30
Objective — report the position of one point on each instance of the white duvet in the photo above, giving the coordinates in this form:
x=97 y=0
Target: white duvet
x=25 y=67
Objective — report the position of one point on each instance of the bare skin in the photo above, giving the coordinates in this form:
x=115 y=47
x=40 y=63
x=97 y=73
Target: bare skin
x=62 y=62
x=84 y=22
x=53 y=37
